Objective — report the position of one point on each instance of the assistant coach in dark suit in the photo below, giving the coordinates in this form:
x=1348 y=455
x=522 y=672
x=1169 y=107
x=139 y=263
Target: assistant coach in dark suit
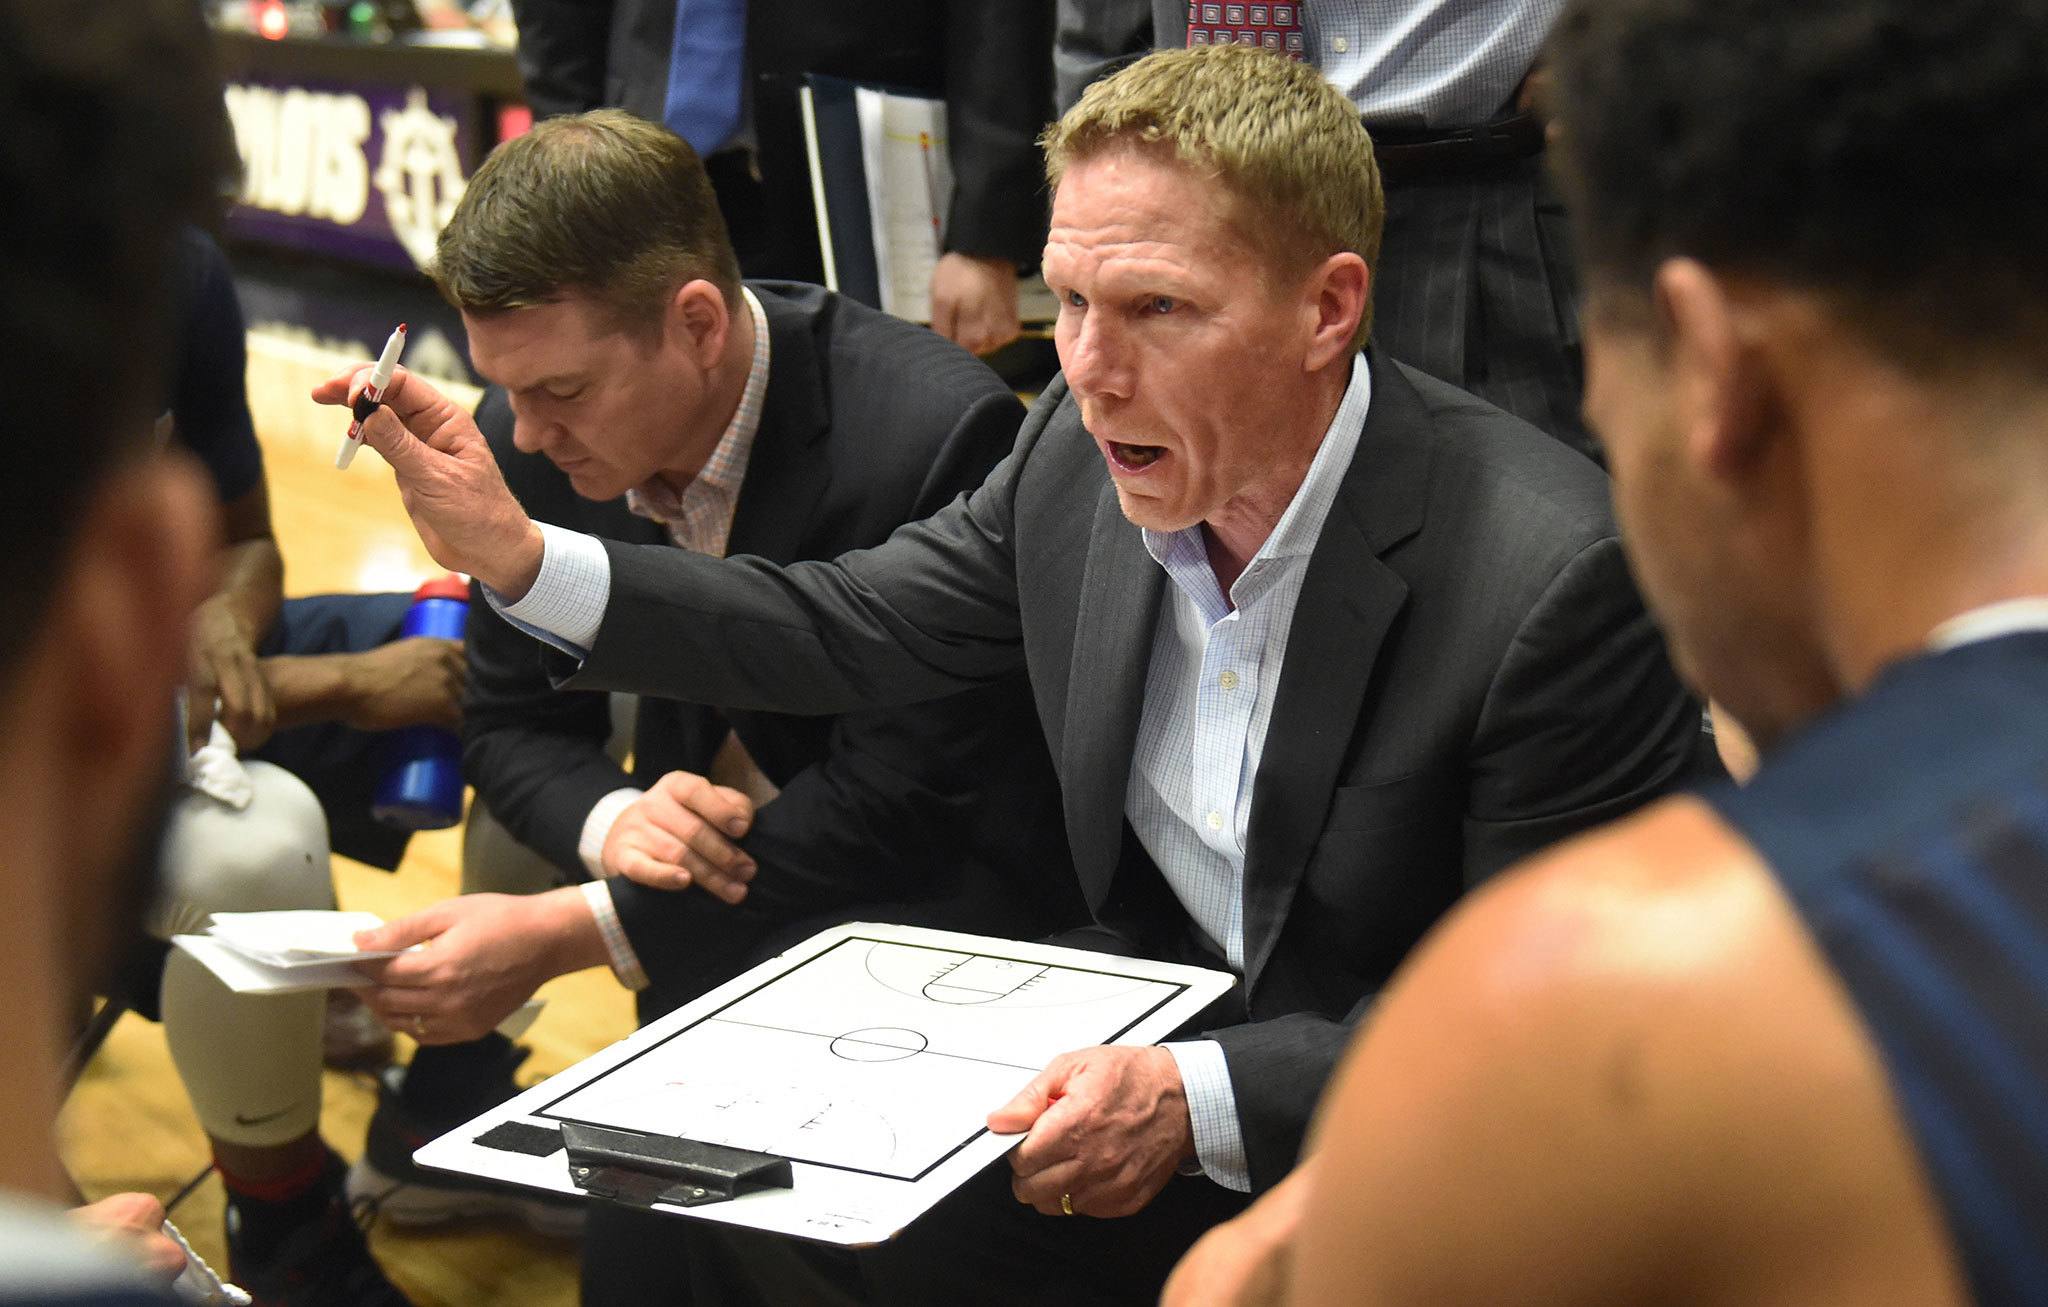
x=647 y=404
x=1318 y=644
x=865 y=423
x=989 y=59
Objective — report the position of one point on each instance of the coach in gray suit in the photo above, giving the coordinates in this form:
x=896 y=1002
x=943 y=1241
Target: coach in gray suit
x=1317 y=643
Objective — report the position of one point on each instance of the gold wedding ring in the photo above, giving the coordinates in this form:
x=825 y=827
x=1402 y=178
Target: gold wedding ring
x=1067 y=1204
x=419 y=1026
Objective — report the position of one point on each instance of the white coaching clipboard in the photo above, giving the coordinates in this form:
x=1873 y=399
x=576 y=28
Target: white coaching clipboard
x=868 y=1056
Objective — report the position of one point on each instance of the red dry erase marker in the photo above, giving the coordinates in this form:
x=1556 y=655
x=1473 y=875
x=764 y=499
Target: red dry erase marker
x=373 y=394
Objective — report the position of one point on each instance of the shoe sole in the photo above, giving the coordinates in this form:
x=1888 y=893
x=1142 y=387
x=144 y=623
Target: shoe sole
x=412 y=1206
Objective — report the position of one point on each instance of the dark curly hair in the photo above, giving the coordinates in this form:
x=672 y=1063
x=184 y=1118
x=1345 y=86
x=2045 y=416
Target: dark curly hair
x=1891 y=155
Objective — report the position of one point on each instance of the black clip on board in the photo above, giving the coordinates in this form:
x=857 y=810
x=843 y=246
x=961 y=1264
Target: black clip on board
x=636 y=1170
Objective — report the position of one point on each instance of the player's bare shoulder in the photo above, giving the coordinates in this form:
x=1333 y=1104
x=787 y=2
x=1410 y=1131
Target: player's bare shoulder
x=1547 y=1069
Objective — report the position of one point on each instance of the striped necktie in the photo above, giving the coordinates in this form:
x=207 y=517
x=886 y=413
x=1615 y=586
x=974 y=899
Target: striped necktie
x=707 y=59
x=1275 y=27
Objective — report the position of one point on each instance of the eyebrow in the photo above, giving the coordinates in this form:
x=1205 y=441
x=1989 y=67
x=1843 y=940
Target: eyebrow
x=564 y=380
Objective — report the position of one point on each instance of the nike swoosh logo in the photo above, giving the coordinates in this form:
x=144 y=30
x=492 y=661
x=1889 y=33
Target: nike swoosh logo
x=267 y=1116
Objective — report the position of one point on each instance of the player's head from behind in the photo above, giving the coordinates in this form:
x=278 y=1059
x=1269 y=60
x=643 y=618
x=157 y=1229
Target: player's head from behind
x=599 y=288
x=1817 y=302
x=106 y=148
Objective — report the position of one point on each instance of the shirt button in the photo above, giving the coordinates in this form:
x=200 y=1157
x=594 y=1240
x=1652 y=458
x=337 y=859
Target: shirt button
x=1228 y=680
x=1215 y=821
x=1339 y=44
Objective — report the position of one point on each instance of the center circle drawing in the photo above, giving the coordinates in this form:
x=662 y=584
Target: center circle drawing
x=879 y=1044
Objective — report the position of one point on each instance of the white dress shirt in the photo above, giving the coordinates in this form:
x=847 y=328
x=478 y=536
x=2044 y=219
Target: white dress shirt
x=1208 y=701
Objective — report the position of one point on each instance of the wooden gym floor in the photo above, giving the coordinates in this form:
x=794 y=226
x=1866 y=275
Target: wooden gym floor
x=128 y=1125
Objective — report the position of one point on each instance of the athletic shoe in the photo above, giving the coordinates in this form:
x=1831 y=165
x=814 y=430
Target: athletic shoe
x=411 y=1197
x=323 y=1261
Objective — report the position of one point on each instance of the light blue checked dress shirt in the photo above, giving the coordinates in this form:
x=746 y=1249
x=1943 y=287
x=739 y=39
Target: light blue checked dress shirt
x=1437 y=64
x=1208 y=701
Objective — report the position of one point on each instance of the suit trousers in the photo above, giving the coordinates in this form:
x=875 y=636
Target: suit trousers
x=1477 y=285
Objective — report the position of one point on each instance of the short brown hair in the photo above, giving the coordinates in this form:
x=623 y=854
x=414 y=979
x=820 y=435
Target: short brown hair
x=1287 y=144
x=601 y=203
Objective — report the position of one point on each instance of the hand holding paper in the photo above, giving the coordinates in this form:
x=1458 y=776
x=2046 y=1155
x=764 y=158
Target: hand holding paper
x=472 y=961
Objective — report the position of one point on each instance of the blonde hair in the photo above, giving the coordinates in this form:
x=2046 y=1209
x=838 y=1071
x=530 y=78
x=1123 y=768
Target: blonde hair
x=1287 y=145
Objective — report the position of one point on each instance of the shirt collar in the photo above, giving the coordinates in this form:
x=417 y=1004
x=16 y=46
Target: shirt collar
x=1185 y=557
x=726 y=468
x=2007 y=617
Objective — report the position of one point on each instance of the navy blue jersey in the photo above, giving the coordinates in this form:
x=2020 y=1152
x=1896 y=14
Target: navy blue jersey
x=1910 y=830
x=207 y=392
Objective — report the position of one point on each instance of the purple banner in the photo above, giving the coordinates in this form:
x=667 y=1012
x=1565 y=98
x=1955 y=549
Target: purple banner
x=367 y=172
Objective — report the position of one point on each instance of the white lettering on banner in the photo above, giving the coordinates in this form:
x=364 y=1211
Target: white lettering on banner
x=302 y=151
x=420 y=174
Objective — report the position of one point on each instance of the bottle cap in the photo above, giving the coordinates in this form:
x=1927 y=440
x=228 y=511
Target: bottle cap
x=448 y=585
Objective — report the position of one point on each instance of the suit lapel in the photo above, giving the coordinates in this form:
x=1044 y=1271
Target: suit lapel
x=787 y=471
x=1349 y=600
x=1120 y=594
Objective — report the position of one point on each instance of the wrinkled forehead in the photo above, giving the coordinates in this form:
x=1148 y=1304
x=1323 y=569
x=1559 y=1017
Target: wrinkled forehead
x=1133 y=197
x=521 y=348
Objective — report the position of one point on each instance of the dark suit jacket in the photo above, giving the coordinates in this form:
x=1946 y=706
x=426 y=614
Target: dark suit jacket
x=949 y=808
x=990 y=59
x=1470 y=676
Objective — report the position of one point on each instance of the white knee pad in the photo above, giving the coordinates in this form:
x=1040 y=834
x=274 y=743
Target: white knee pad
x=269 y=855
x=250 y=1062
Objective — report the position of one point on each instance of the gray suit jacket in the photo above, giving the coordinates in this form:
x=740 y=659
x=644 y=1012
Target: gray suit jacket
x=1470 y=677
x=1093 y=38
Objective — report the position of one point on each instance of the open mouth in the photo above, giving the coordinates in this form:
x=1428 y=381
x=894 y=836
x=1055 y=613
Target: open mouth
x=1134 y=458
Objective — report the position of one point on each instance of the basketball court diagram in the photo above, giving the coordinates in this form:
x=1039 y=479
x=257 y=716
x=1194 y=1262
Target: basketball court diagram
x=874 y=1056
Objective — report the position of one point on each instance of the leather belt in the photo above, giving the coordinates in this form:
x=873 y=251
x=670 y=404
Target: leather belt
x=1406 y=154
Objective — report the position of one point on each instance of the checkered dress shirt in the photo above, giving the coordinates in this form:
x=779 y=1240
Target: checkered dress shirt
x=1208 y=701
x=700 y=518
x=1427 y=63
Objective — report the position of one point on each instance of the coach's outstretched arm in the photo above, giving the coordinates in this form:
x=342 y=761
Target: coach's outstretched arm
x=931 y=611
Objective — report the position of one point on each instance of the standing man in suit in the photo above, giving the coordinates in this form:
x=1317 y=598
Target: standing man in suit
x=1479 y=286
x=1782 y=1043
x=1319 y=644
x=646 y=395
x=988 y=59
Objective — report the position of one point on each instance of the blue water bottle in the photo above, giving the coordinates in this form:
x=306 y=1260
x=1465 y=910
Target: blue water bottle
x=422 y=784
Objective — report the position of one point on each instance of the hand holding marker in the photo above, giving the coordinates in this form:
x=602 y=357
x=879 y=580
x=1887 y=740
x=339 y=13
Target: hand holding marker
x=373 y=394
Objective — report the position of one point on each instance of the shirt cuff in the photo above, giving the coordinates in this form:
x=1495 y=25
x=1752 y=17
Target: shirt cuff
x=625 y=962
x=1212 y=1109
x=566 y=604
x=598 y=826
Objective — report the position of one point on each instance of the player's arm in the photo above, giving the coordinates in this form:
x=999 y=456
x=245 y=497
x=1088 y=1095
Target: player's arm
x=1623 y=1074
x=229 y=625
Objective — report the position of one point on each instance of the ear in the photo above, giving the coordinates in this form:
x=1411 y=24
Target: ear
x=1720 y=386
x=144 y=558
x=699 y=320
x=1337 y=295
